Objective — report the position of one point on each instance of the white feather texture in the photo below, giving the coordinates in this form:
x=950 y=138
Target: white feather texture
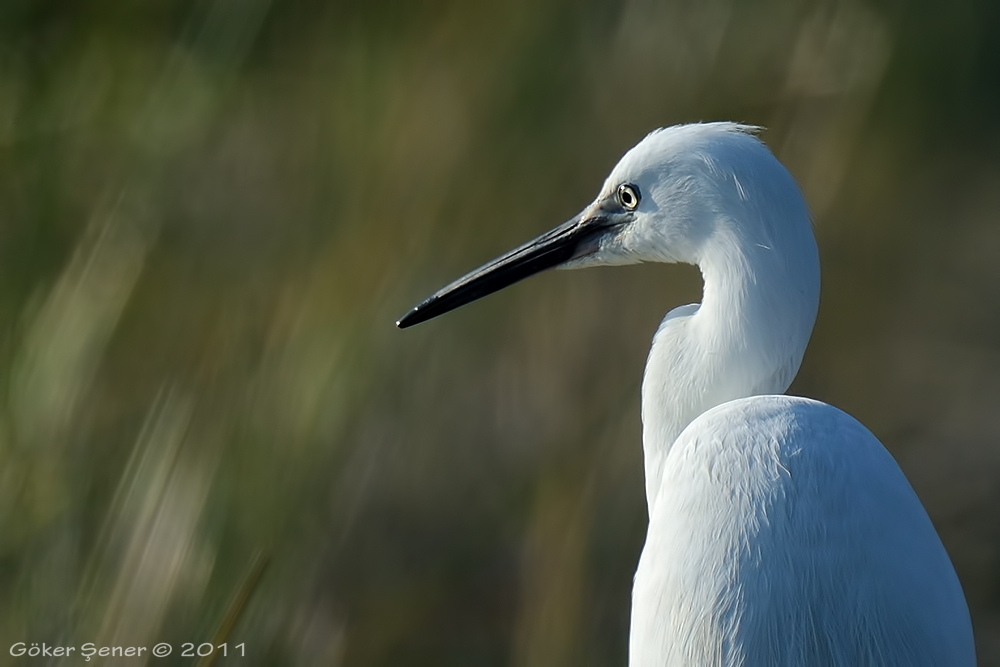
x=786 y=535
x=781 y=533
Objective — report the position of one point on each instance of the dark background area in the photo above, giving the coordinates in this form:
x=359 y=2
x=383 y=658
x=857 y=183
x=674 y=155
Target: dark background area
x=212 y=212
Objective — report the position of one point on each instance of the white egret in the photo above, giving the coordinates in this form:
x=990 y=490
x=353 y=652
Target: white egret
x=781 y=532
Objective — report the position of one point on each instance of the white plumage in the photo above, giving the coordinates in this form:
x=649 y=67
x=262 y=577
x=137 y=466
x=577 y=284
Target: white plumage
x=781 y=532
x=786 y=535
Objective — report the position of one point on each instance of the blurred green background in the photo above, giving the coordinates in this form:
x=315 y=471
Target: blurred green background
x=212 y=211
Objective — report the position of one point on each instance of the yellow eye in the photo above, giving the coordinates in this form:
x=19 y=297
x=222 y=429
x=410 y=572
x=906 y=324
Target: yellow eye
x=628 y=196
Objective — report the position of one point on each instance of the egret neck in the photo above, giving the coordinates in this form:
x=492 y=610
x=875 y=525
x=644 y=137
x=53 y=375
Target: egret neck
x=748 y=335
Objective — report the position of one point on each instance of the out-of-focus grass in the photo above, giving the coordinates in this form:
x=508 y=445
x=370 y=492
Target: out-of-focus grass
x=212 y=211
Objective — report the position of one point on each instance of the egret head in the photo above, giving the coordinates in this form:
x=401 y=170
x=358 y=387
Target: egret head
x=679 y=195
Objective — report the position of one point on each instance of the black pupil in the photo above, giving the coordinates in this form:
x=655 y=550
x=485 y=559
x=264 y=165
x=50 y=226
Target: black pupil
x=626 y=197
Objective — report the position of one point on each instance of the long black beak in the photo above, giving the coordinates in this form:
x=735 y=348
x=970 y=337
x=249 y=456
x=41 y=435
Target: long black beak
x=574 y=238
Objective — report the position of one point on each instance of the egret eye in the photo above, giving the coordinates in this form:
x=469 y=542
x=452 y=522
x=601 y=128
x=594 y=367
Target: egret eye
x=628 y=196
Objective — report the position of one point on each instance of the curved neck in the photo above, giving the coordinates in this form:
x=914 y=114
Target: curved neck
x=746 y=338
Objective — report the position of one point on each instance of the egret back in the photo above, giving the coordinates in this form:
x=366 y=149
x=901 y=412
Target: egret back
x=785 y=535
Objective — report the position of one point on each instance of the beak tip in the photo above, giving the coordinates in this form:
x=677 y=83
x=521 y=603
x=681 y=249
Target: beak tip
x=406 y=320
